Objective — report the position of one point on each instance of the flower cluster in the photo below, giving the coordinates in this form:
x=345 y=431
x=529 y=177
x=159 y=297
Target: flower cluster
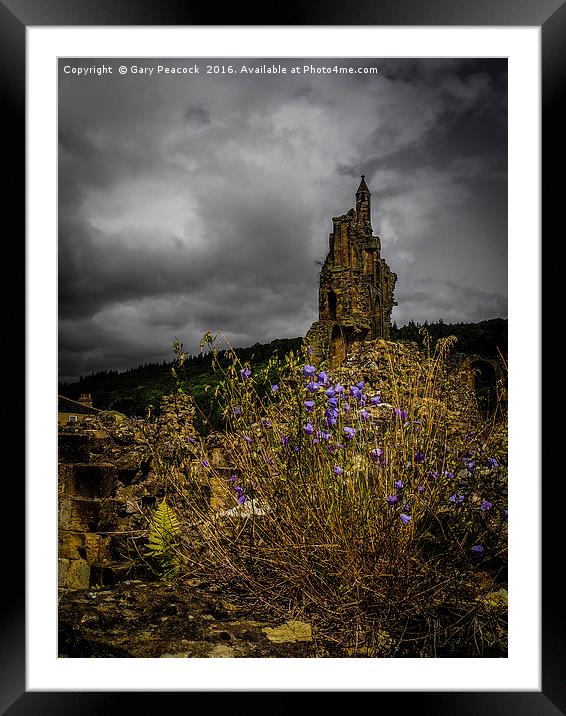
x=377 y=456
x=327 y=402
x=242 y=497
x=401 y=413
x=348 y=429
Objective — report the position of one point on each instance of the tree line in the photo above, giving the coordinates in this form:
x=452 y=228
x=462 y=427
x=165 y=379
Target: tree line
x=135 y=390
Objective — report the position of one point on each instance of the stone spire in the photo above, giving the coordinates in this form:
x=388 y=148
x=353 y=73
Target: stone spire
x=363 y=188
x=355 y=286
x=363 y=207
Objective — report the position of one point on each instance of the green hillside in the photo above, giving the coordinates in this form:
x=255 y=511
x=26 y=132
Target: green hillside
x=135 y=390
x=486 y=338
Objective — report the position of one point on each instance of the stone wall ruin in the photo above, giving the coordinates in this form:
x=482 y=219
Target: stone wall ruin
x=356 y=286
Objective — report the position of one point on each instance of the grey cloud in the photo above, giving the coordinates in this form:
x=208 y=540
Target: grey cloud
x=432 y=300
x=197 y=115
x=179 y=217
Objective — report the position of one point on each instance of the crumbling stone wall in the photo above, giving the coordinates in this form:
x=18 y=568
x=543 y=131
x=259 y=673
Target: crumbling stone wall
x=373 y=362
x=99 y=459
x=472 y=368
x=108 y=485
x=356 y=286
x=87 y=505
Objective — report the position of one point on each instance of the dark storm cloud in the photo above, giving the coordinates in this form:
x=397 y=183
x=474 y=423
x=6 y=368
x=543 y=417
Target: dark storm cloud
x=188 y=204
x=433 y=300
x=197 y=115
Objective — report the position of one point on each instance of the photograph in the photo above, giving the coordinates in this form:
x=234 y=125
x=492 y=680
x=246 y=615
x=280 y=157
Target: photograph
x=283 y=363
x=282 y=354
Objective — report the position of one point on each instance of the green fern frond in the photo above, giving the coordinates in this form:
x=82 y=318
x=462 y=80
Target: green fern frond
x=161 y=539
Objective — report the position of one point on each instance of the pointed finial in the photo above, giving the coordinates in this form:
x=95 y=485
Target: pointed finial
x=363 y=188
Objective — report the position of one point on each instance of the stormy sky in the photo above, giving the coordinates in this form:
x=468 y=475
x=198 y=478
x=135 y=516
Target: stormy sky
x=202 y=202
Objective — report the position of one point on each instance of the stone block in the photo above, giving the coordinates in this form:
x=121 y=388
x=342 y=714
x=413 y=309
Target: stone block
x=291 y=631
x=71 y=545
x=78 y=575
x=65 y=513
x=65 y=472
x=95 y=548
x=63 y=572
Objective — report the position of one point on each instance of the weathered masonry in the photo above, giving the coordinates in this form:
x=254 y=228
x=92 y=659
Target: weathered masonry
x=356 y=286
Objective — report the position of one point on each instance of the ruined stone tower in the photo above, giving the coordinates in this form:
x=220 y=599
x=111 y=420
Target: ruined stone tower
x=355 y=288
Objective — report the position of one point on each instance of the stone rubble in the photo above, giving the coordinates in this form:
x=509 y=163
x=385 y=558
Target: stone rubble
x=160 y=620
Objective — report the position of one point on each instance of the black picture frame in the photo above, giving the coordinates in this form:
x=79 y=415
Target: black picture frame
x=550 y=17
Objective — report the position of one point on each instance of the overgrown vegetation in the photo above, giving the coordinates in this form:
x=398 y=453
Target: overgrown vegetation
x=382 y=519
x=134 y=391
